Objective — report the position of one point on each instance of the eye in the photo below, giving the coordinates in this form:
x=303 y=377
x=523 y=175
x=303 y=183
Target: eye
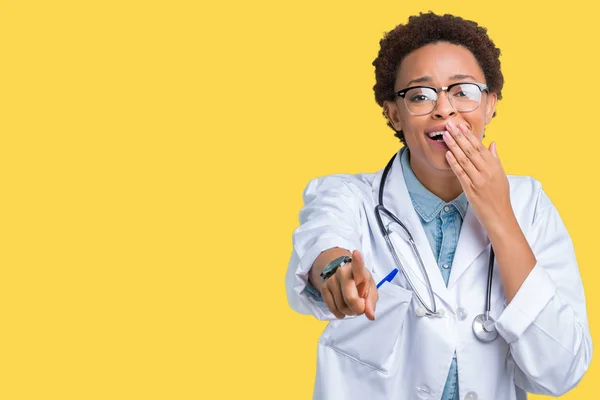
x=465 y=91
x=420 y=95
x=419 y=98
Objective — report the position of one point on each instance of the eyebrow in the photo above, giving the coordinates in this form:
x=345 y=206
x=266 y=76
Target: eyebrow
x=424 y=79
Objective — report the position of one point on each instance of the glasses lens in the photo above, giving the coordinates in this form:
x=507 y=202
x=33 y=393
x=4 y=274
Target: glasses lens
x=465 y=97
x=420 y=101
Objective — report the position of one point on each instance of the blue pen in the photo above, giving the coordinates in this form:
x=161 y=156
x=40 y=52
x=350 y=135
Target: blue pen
x=388 y=277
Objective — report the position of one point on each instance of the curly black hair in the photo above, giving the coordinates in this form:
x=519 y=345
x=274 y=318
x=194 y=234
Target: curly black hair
x=427 y=28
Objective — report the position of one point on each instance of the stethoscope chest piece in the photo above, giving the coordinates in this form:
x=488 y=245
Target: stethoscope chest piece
x=484 y=328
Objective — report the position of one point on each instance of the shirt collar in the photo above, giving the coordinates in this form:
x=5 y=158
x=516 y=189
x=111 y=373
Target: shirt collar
x=427 y=204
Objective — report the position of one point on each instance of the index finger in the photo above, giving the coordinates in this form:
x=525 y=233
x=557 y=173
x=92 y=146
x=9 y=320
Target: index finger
x=359 y=271
x=350 y=294
x=461 y=136
x=476 y=143
x=371 y=302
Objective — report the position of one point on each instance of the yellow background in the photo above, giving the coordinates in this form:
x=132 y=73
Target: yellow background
x=152 y=160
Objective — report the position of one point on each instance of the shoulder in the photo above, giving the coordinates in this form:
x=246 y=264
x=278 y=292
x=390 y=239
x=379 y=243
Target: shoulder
x=527 y=195
x=523 y=185
x=355 y=185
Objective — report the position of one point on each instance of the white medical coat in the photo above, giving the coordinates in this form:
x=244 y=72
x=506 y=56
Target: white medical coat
x=544 y=344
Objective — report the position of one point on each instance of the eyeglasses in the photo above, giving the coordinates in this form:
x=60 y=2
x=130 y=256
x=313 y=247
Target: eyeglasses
x=463 y=96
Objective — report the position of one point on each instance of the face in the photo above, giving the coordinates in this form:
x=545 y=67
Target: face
x=437 y=65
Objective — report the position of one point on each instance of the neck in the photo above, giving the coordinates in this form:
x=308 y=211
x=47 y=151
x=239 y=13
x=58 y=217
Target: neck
x=443 y=183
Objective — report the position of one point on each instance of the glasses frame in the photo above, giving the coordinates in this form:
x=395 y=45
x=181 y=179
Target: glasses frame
x=402 y=93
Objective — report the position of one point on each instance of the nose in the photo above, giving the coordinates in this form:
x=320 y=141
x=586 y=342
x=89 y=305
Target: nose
x=443 y=109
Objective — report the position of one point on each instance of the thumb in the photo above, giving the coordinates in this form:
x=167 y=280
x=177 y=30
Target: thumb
x=494 y=150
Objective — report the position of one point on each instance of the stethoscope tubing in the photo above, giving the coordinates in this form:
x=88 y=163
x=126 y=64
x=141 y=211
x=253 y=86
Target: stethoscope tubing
x=381 y=209
x=482 y=331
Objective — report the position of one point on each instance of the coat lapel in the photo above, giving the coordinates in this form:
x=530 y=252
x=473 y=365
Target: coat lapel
x=397 y=200
x=472 y=241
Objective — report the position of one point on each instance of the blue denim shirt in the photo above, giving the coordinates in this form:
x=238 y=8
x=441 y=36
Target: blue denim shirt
x=442 y=223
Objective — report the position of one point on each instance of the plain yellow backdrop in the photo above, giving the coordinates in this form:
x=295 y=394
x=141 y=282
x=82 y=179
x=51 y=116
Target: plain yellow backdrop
x=152 y=160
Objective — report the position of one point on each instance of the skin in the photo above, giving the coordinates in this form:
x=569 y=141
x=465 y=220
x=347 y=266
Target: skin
x=351 y=290
x=437 y=65
x=463 y=165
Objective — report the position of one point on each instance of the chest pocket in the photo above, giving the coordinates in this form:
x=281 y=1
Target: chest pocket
x=372 y=343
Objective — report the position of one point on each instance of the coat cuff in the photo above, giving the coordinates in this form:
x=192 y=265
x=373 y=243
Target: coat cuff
x=530 y=300
x=312 y=292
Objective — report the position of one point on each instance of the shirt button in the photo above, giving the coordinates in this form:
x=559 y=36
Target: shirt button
x=446 y=208
x=471 y=396
x=446 y=266
x=461 y=314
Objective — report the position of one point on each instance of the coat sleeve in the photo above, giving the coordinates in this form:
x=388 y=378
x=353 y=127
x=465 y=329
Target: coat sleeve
x=329 y=218
x=546 y=324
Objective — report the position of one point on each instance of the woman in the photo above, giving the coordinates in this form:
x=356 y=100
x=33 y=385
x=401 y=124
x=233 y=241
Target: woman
x=438 y=79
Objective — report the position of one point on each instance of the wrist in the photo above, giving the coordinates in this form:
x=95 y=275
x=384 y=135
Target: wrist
x=499 y=220
x=502 y=227
x=326 y=256
x=333 y=266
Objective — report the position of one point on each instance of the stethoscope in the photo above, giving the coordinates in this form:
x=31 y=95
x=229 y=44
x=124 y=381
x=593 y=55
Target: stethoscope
x=483 y=325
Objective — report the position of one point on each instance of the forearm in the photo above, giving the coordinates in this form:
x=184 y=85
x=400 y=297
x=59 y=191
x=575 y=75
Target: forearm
x=314 y=275
x=513 y=254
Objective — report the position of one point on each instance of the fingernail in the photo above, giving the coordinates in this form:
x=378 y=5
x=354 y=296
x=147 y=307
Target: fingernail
x=446 y=135
x=451 y=125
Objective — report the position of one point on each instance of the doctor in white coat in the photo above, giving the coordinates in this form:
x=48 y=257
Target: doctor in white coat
x=438 y=81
